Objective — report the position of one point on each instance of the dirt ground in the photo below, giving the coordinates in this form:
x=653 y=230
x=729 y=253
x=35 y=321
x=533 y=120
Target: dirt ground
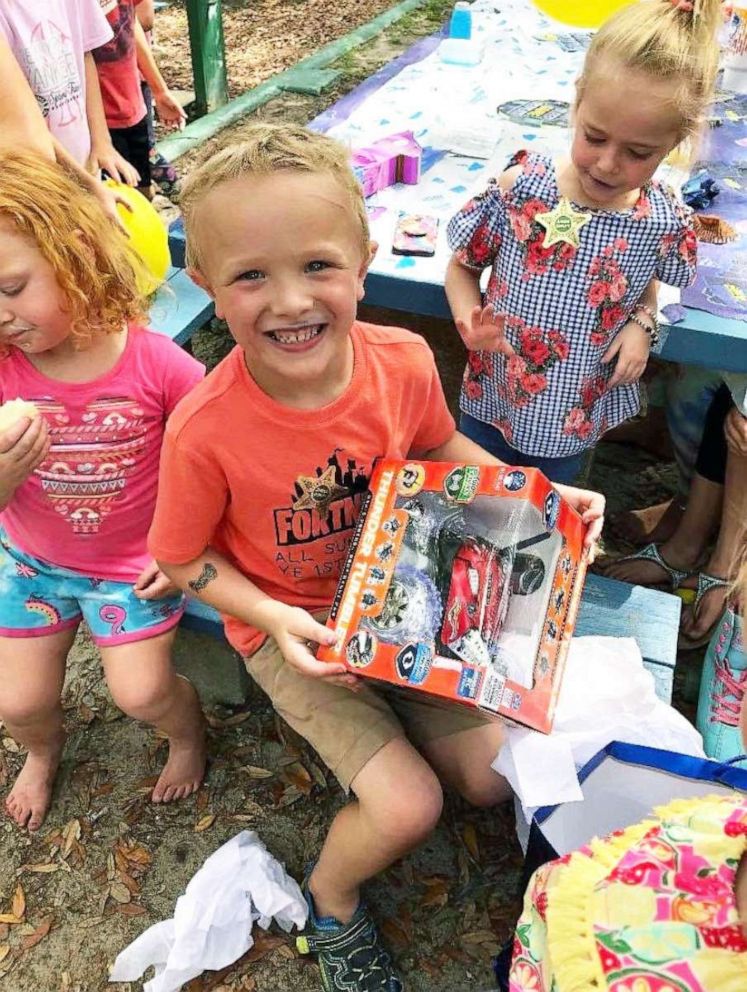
x=107 y=863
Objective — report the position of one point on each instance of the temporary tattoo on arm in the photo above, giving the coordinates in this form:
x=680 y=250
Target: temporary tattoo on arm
x=208 y=573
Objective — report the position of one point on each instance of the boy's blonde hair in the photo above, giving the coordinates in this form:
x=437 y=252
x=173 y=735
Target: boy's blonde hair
x=675 y=44
x=94 y=265
x=264 y=149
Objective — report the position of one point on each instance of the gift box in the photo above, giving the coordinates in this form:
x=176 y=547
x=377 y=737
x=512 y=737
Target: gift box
x=462 y=583
x=393 y=159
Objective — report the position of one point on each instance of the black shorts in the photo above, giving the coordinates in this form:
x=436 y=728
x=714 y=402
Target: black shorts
x=133 y=144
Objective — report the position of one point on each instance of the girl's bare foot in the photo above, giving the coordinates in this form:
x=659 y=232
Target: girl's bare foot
x=652 y=523
x=183 y=771
x=647 y=572
x=28 y=801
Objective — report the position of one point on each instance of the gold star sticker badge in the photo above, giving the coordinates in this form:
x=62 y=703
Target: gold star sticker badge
x=319 y=492
x=562 y=224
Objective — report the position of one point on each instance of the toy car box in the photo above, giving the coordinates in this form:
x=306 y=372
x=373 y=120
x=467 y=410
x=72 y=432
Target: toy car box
x=462 y=582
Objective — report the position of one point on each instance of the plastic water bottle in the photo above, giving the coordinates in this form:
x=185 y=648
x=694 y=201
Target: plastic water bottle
x=461 y=21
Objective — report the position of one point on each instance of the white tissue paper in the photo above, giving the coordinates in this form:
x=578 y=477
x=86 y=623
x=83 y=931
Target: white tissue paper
x=606 y=695
x=240 y=884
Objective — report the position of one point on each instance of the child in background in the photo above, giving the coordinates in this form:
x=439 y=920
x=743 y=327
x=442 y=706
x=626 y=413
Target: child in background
x=575 y=247
x=119 y=63
x=258 y=521
x=52 y=42
x=163 y=173
x=78 y=480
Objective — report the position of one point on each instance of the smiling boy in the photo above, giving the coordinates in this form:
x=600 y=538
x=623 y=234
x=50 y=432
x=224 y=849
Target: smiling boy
x=262 y=475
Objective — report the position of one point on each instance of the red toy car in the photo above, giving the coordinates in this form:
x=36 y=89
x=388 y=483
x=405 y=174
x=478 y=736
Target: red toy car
x=477 y=601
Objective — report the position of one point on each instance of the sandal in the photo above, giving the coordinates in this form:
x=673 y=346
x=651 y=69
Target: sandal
x=706 y=583
x=651 y=553
x=350 y=956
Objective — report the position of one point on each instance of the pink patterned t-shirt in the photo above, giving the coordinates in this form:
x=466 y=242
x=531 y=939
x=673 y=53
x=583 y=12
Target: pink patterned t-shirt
x=50 y=38
x=89 y=505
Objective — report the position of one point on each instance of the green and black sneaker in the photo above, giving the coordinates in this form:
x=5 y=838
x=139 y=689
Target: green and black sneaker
x=351 y=957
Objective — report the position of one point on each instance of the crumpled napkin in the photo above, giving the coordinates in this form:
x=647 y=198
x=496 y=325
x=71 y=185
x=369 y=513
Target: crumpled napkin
x=606 y=695
x=240 y=884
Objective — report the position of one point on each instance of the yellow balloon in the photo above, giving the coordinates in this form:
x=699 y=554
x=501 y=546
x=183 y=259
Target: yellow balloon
x=148 y=236
x=580 y=13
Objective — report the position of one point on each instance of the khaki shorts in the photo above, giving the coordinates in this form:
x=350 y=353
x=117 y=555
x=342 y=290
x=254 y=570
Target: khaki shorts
x=347 y=728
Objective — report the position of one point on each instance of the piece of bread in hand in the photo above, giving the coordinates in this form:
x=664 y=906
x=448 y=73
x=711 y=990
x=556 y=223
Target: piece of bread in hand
x=12 y=411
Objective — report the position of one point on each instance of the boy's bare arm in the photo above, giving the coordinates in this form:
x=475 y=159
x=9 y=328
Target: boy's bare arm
x=588 y=504
x=214 y=580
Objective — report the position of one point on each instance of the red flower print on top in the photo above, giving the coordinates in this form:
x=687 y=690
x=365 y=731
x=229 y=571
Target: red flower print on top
x=479 y=367
x=608 y=287
x=642 y=209
x=578 y=420
x=482 y=248
x=536 y=353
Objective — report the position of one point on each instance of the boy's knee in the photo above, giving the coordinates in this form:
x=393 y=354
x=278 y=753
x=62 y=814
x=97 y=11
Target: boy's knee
x=409 y=813
x=484 y=788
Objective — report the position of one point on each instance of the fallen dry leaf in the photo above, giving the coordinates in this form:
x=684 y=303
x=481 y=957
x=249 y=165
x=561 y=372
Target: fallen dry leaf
x=70 y=834
x=254 y=771
x=47 y=868
x=4 y=951
x=469 y=836
x=10 y=745
x=136 y=854
x=479 y=937
x=205 y=823
x=130 y=909
x=264 y=943
x=394 y=933
x=290 y=795
x=296 y=775
x=39 y=934
x=119 y=892
x=129 y=881
x=146 y=784
x=19 y=902
x=437 y=893
x=10 y=918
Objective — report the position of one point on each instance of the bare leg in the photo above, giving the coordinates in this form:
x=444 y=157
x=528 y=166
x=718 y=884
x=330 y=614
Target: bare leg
x=728 y=550
x=686 y=546
x=462 y=761
x=652 y=523
x=33 y=671
x=398 y=803
x=145 y=686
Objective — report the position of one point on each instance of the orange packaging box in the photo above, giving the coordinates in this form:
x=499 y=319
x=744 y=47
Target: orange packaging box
x=463 y=583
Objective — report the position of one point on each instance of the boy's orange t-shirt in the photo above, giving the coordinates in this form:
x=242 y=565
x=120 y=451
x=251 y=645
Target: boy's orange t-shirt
x=278 y=490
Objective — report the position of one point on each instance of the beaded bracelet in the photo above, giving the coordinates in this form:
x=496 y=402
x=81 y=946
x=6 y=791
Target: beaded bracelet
x=651 y=329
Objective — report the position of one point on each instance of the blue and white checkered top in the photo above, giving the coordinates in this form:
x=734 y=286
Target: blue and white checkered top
x=563 y=305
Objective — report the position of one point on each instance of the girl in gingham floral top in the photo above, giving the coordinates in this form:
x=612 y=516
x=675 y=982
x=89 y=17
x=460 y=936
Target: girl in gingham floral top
x=559 y=344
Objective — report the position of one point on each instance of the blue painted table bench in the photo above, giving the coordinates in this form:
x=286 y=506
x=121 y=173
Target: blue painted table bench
x=608 y=608
x=180 y=308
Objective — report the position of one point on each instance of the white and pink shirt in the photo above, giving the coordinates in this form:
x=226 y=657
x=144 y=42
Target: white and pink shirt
x=89 y=505
x=50 y=38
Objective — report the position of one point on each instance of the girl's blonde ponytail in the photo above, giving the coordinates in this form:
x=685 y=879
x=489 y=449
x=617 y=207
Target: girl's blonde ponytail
x=670 y=40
